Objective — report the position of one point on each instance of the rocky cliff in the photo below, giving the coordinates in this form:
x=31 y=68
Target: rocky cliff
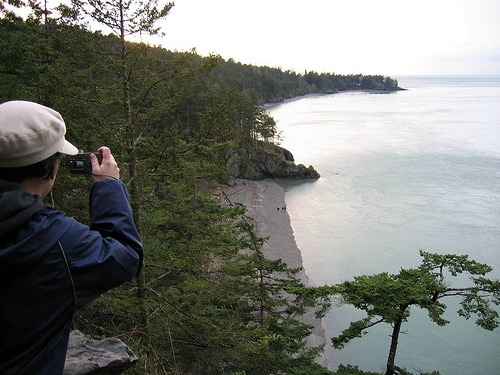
x=267 y=160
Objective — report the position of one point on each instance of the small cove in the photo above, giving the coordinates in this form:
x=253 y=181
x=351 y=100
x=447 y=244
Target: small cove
x=405 y=171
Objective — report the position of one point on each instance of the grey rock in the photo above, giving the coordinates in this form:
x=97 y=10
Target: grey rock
x=267 y=161
x=88 y=356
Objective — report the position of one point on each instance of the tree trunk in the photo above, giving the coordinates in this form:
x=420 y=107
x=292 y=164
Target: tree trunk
x=394 y=343
x=261 y=285
x=129 y=145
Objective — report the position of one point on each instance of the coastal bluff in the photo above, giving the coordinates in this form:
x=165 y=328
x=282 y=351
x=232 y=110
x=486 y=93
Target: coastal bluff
x=266 y=161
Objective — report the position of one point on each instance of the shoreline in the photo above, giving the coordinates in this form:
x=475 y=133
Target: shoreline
x=270 y=105
x=265 y=203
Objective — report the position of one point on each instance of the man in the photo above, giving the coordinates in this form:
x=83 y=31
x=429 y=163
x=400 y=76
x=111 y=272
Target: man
x=50 y=264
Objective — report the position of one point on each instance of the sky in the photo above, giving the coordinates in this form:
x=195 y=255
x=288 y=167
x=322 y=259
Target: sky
x=388 y=37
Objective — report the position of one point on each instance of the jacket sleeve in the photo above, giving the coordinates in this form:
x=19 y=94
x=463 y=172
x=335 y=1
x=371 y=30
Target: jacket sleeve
x=108 y=253
x=111 y=215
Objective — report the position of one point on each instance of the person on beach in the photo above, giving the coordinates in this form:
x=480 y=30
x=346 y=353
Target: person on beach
x=50 y=264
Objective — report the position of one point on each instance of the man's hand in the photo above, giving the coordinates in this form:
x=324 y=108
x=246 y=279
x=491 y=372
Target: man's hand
x=108 y=169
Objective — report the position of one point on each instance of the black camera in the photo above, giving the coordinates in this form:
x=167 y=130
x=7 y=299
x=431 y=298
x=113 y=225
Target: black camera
x=81 y=164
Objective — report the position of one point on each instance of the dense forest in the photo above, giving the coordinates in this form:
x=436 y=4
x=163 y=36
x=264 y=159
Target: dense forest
x=207 y=301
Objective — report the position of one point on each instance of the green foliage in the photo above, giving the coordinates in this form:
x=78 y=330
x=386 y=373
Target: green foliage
x=212 y=302
x=128 y=17
x=267 y=84
x=352 y=370
x=387 y=298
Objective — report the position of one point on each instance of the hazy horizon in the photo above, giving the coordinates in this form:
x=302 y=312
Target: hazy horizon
x=387 y=37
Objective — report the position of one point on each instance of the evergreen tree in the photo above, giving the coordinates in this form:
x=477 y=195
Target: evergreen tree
x=126 y=18
x=388 y=298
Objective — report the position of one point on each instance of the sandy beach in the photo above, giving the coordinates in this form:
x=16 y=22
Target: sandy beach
x=265 y=202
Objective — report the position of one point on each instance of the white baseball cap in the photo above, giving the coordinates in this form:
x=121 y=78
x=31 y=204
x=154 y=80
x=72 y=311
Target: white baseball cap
x=29 y=133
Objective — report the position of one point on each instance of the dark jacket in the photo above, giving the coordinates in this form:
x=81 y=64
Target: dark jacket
x=50 y=265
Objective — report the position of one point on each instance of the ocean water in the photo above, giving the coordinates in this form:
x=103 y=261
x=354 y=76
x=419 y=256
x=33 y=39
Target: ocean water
x=411 y=170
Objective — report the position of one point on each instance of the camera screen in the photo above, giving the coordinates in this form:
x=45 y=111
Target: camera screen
x=81 y=164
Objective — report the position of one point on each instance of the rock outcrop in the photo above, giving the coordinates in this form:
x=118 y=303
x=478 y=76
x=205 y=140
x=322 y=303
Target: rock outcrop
x=267 y=161
x=86 y=356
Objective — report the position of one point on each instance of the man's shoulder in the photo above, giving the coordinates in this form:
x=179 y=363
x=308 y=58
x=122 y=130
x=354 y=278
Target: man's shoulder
x=55 y=221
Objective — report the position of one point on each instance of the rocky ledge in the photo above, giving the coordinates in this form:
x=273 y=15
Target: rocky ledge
x=267 y=160
x=86 y=356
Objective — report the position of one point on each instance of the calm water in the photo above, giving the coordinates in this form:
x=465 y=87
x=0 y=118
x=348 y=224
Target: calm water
x=417 y=169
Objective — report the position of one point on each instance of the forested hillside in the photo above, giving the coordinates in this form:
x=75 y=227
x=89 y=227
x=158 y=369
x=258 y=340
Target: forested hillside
x=268 y=85
x=208 y=302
